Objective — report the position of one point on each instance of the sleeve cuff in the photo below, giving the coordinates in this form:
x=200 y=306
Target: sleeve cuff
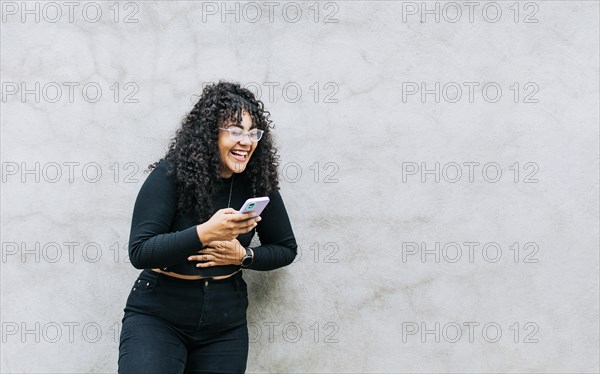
x=188 y=238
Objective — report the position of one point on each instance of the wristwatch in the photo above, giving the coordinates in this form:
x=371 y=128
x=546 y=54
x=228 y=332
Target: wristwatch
x=247 y=260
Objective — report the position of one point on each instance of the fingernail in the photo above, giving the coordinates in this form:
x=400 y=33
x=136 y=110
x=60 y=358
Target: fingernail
x=189 y=258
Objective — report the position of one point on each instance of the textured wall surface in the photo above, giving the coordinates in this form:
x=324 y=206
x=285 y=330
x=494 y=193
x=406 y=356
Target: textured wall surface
x=439 y=166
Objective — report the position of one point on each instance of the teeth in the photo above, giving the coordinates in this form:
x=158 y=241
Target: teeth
x=241 y=154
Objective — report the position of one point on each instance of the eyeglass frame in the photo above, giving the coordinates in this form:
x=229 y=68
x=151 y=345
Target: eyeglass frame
x=259 y=133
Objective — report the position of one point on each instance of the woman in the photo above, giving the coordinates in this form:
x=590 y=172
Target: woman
x=186 y=312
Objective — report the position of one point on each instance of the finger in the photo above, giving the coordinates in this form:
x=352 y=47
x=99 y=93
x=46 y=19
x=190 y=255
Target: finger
x=251 y=224
x=205 y=264
x=241 y=217
x=215 y=246
x=212 y=249
x=203 y=257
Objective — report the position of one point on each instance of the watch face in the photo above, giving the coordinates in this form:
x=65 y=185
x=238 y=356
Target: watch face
x=246 y=261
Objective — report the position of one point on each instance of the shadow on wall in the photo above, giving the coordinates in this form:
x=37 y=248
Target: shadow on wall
x=268 y=291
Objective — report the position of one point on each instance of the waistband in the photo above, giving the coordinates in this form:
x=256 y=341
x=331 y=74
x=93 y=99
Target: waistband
x=235 y=278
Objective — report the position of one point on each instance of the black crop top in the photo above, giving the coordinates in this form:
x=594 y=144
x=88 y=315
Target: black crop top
x=161 y=237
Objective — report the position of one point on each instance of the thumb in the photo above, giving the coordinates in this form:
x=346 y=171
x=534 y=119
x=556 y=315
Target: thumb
x=229 y=210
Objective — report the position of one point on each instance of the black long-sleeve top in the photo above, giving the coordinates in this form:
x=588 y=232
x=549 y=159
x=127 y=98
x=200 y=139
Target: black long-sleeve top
x=163 y=238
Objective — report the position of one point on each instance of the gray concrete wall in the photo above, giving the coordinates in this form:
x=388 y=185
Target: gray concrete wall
x=441 y=176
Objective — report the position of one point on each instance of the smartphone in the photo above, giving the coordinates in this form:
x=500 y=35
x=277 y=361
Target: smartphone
x=254 y=204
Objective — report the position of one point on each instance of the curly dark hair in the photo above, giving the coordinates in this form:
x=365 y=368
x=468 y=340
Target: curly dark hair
x=194 y=155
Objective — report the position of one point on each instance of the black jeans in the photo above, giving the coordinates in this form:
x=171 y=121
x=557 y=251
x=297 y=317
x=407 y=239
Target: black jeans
x=174 y=325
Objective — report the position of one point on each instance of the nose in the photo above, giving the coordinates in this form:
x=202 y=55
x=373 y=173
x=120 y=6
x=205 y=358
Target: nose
x=245 y=139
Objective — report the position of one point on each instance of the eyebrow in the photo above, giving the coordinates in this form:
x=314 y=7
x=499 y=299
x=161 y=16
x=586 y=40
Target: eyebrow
x=240 y=126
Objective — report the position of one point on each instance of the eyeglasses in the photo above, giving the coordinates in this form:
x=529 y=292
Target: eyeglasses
x=238 y=134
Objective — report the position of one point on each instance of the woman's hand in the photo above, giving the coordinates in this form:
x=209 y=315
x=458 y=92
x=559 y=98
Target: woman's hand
x=226 y=224
x=218 y=253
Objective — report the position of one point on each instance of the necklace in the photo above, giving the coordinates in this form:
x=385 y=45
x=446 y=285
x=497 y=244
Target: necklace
x=230 y=189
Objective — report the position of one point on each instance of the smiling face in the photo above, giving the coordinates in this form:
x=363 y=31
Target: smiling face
x=234 y=154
